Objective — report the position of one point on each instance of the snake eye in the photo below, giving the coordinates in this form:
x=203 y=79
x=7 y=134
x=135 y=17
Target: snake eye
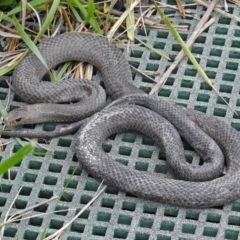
x=18 y=120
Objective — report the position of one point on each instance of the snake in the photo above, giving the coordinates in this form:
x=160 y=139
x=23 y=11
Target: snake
x=131 y=110
x=26 y=80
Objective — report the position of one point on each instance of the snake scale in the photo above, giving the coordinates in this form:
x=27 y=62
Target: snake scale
x=132 y=110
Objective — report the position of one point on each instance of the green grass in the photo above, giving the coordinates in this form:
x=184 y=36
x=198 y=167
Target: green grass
x=15 y=158
x=90 y=15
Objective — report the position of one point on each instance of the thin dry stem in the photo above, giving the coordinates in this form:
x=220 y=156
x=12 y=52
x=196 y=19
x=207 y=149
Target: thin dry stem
x=98 y=193
x=66 y=17
x=150 y=21
x=9 y=35
x=121 y=19
x=218 y=10
x=7 y=213
x=143 y=73
x=24 y=5
x=199 y=28
x=36 y=14
x=181 y=8
x=26 y=210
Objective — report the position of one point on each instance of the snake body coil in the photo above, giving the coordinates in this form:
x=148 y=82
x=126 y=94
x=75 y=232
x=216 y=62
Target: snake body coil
x=91 y=97
x=123 y=115
x=216 y=192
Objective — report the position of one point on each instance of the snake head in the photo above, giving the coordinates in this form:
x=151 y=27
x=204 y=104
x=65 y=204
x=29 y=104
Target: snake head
x=19 y=117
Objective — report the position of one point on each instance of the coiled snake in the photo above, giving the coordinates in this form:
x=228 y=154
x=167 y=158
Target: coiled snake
x=133 y=110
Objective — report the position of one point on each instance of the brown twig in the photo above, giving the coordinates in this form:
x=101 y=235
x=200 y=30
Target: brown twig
x=181 y=8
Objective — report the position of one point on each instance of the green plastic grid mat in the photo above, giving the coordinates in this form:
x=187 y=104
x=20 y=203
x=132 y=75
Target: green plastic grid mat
x=118 y=215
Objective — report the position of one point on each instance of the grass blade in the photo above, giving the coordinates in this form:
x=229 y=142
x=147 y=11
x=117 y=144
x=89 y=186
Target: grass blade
x=28 y=41
x=17 y=157
x=8 y=69
x=7 y=3
x=62 y=71
x=3 y=16
x=120 y=20
x=75 y=12
x=187 y=50
x=48 y=19
x=182 y=43
x=33 y=3
x=92 y=21
x=130 y=21
x=153 y=49
x=90 y=10
x=3 y=111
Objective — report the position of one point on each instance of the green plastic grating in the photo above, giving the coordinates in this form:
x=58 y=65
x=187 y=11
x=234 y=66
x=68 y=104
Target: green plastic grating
x=118 y=215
